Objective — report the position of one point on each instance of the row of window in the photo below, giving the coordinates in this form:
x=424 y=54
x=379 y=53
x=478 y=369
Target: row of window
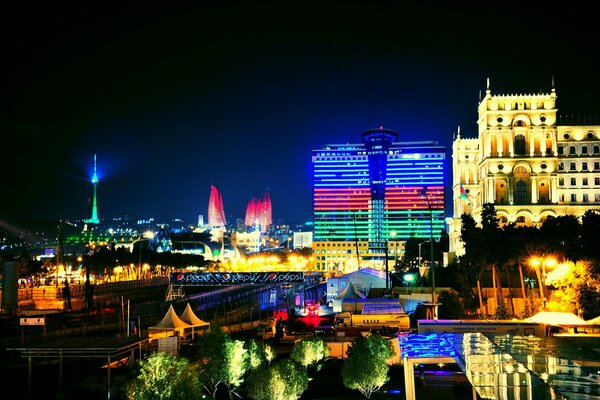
x=584 y=166
x=584 y=181
x=585 y=198
x=573 y=150
x=328 y=244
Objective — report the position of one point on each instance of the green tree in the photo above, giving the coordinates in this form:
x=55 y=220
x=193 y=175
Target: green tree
x=236 y=365
x=578 y=290
x=256 y=353
x=366 y=368
x=165 y=377
x=309 y=351
x=284 y=380
x=222 y=360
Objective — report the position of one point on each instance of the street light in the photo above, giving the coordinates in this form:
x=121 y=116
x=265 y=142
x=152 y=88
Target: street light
x=543 y=262
x=430 y=208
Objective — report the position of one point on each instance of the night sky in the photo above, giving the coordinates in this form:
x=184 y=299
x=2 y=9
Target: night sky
x=175 y=97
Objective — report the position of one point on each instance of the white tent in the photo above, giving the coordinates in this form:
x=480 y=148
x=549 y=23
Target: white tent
x=170 y=325
x=593 y=321
x=190 y=318
x=557 y=318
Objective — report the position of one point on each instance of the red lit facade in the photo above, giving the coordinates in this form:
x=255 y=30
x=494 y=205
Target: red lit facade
x=216 y=213
x=259 y=211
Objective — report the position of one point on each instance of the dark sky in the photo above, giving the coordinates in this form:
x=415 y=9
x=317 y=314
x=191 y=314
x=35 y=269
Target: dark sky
x=174 y=97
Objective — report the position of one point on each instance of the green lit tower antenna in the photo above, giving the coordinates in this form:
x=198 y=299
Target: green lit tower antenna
x=94 y=219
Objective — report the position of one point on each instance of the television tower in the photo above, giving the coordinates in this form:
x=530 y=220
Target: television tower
x=94 y=218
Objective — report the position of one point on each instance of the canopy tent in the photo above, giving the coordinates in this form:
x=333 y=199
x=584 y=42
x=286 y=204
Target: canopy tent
x=170 y=325
x=190 y=318
x=557 y=318
x=593 y=321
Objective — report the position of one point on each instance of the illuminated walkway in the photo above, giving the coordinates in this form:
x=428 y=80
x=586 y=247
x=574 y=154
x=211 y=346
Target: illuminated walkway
x=508 y=367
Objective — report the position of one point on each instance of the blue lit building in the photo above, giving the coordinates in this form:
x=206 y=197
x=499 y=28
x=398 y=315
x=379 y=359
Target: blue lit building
x=370 y=197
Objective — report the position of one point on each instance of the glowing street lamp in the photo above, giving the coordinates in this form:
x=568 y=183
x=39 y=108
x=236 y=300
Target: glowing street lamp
x=543 y=262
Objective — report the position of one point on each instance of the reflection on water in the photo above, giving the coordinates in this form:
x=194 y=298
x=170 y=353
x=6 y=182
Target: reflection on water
x=514 y=367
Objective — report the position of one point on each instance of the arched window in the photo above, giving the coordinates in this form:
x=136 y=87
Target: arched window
x=520 y=144
x=521 y=193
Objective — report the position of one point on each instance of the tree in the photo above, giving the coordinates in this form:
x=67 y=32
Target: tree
x=165 y=377
x=222 y=360
x=578 y=289
x=284 y=380
x=256 y=353
x=309 y=351
x=472 y=263
x=236 y=365
x=366 y=368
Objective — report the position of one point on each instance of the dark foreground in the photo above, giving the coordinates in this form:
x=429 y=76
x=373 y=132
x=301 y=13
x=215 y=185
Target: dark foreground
x=87 y=380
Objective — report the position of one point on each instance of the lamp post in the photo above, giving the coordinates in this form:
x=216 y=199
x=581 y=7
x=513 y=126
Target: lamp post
x=543 y=262
x=385 y=261
x=430 y=208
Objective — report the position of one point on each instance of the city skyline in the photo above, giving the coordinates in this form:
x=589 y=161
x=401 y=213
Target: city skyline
x=175 y=99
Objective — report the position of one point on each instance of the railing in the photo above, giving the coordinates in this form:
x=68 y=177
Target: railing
x=78 y=290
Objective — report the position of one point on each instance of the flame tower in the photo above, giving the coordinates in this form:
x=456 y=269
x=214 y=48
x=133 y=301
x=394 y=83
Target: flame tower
x=94 y=217
x=259 y=212
x=216 y=213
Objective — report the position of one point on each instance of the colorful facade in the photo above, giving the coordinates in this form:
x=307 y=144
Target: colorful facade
x=216 y=213
x=258 y=212
x=371 y=196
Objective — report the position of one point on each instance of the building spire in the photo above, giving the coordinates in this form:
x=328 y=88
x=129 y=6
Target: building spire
x=487 y=90
x=94 y=217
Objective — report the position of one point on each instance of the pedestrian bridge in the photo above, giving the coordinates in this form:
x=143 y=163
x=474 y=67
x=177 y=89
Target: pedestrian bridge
x=509 y=367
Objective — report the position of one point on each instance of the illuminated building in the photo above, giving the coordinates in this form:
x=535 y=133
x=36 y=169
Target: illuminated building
x=94 y=214
x=524 y=163
x=216 y=213
x=366 y=195
x=258 y=212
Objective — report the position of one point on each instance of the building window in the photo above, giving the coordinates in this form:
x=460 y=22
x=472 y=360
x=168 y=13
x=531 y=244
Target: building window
x=584 y=166
x=520 y=144
x=572 y=150
x=562 y=198
x=561 y=181
x=597 y=197
x=573 y=198
x=583 y=149
x=584 y=181
x=521 y=193
x=572 y=166
x=585 y=198
x=573 y=182
x=561 y=167
x=596 y=149
x=597 y=181
x=596 y=165
x=560 y=150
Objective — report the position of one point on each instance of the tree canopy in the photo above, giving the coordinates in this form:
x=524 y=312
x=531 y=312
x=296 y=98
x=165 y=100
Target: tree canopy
x=165 y=377
x=366 y=368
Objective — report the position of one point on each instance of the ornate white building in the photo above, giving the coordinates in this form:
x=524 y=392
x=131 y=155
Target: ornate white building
x=524 y=163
